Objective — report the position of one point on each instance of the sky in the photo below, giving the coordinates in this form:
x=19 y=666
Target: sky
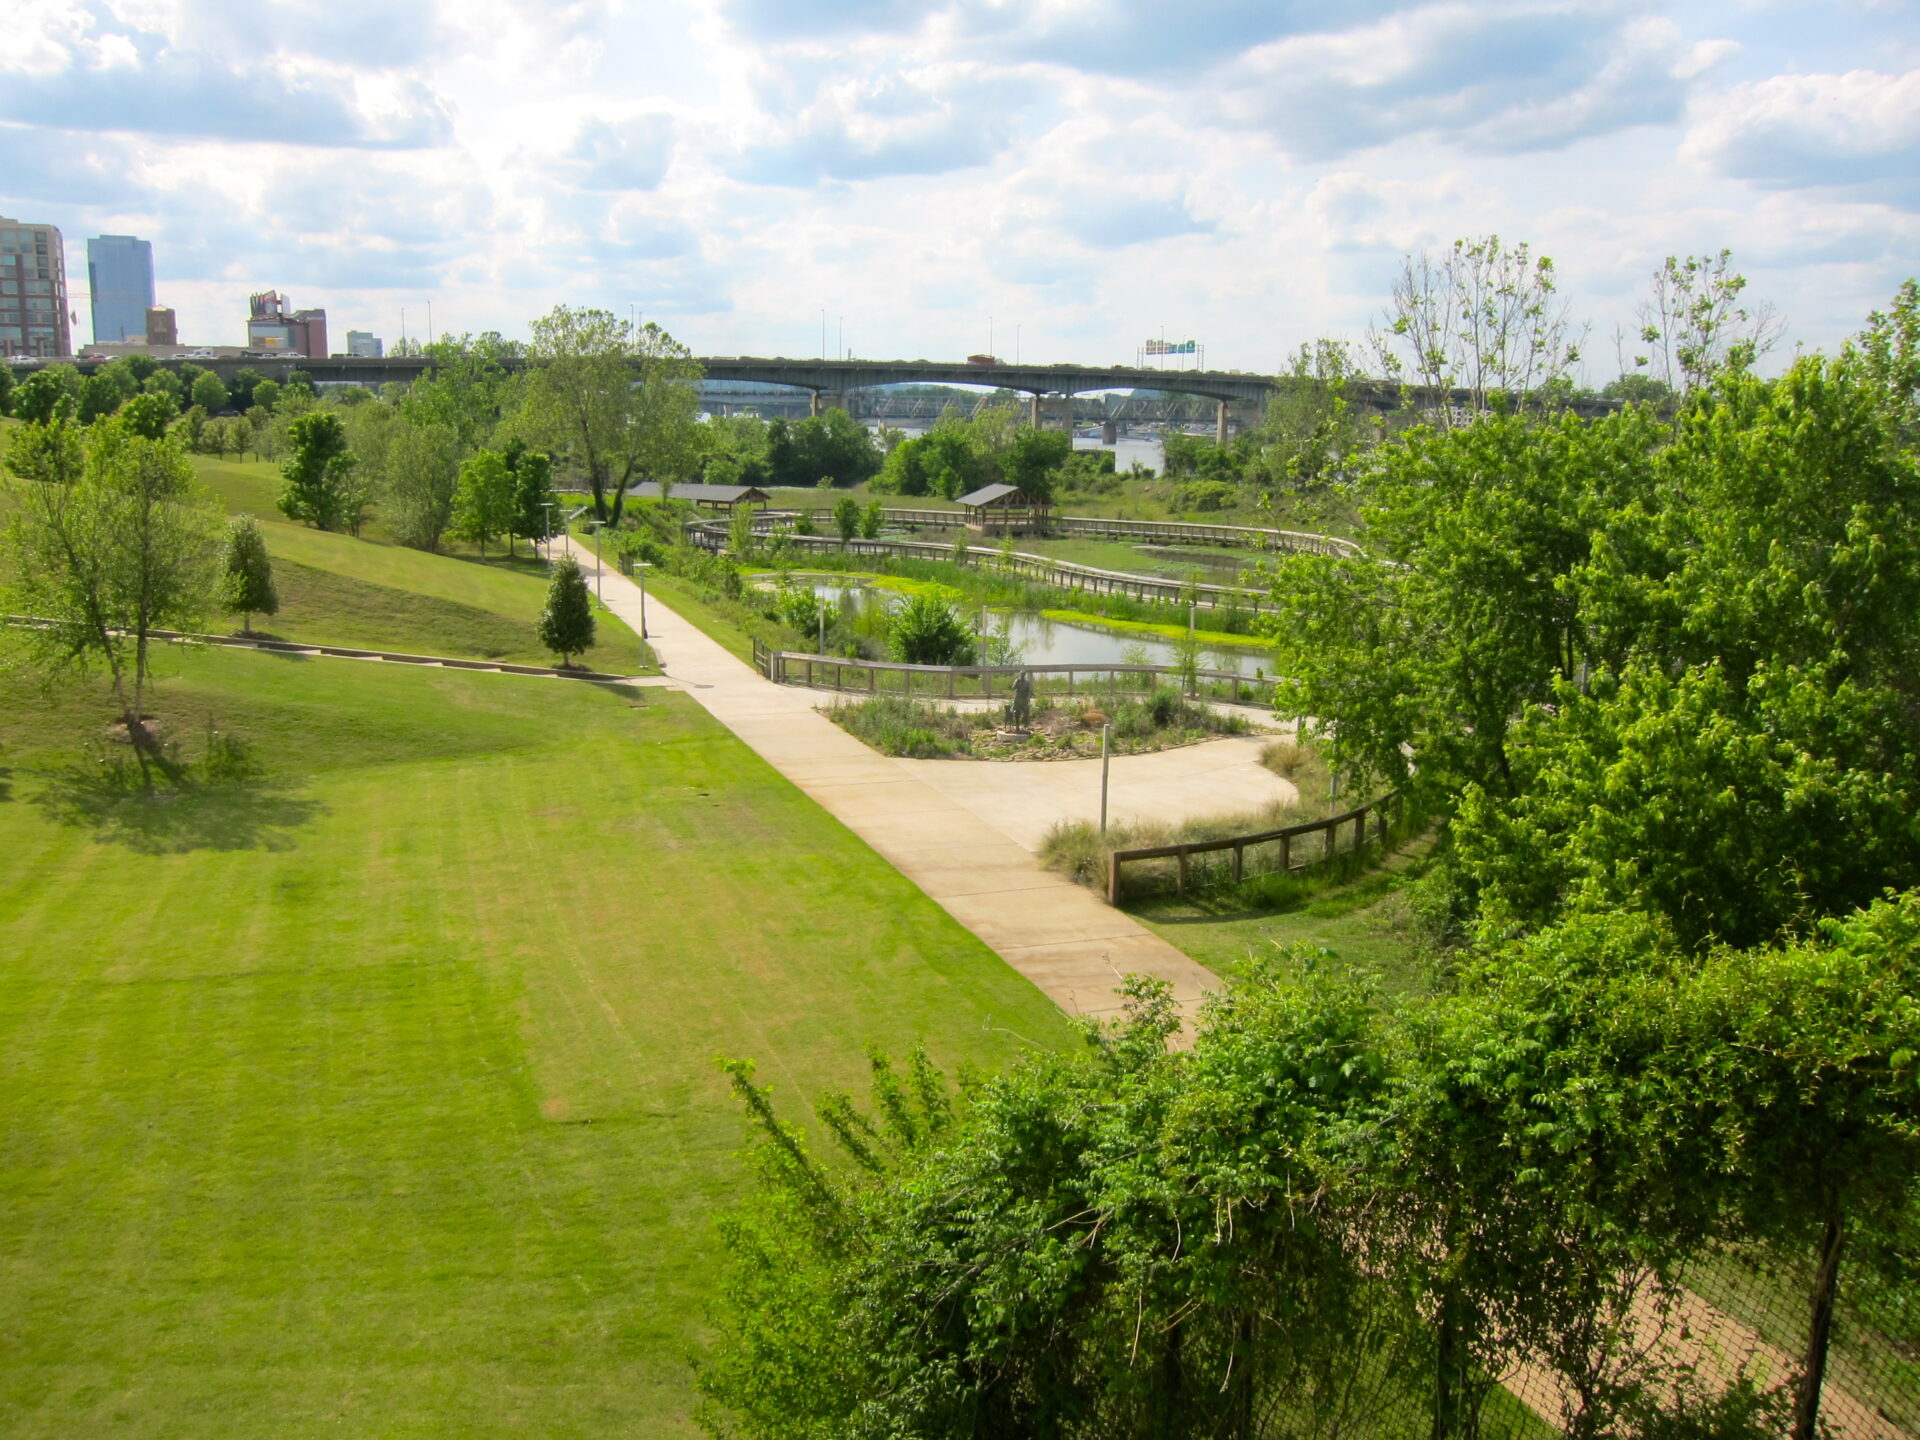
x=1061 y=179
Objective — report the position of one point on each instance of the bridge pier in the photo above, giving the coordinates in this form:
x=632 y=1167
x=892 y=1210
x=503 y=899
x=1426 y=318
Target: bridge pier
x=1034 y=417
x=825 y=400
x=1220 y=425
x=1109 y=432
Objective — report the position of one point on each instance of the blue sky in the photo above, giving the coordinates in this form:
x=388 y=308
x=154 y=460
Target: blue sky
x=1077 y=174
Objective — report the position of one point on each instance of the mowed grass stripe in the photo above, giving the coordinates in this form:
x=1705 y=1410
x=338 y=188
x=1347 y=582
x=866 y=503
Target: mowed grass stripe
x=400 y=1117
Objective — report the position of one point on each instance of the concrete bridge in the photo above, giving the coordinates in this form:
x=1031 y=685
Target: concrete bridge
x=828 y=382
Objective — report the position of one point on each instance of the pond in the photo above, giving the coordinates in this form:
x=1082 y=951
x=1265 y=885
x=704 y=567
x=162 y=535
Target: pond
x=1052 y=642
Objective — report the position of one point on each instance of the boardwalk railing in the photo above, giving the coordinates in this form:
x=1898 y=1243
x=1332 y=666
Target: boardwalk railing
x=985 y=682
x=1285 y=857
x=1174 y=531
x=712 y=536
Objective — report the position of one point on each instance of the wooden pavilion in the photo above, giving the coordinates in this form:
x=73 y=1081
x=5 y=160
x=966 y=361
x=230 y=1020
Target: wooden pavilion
x=1004 y=510
x=723 y=498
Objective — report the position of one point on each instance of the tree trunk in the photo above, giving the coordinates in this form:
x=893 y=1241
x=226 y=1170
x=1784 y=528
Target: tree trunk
x=1826 y=1283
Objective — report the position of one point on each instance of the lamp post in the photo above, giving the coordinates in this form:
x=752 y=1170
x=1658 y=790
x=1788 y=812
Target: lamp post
x=548 y=506
x=640 y=568
x=1106 y=745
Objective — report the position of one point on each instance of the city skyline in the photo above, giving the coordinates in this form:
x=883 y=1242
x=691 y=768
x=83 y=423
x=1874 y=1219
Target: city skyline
x=912 y=180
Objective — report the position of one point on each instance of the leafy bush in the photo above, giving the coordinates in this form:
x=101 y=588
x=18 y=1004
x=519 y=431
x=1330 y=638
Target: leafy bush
x=929 y=631
x=1204 y=495
x=894 y=725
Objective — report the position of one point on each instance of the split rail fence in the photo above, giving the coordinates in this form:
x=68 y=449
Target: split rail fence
x=1296 y=847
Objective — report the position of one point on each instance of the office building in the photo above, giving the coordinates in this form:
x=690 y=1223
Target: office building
x=365 y=346
x=120 y=280
x=161 y=326
x=34 y=319
x=274 y=325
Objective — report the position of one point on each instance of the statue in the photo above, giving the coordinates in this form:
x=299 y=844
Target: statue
x=1022 y=710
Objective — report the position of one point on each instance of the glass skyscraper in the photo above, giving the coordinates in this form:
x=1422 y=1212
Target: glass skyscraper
x=120 y=274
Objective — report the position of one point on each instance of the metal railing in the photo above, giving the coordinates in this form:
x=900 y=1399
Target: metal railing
x=977 y=682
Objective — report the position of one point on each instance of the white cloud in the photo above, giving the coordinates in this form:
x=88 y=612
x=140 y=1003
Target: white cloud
x=1857 y=132
x=1244 y=171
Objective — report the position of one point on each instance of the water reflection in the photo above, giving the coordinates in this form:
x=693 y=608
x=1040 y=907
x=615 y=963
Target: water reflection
x=1041 y=641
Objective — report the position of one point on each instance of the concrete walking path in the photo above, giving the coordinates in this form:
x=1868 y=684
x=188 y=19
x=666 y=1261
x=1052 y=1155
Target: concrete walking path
x=965 y=831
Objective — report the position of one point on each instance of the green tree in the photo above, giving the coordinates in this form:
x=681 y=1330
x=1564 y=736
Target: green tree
x=1483 y=318
x=319 y=473
x=566 y=624
x=621 y=403
x=468 y=388
x=483 y=498
x=6 y=390
x=905 y=470
x=872 y=520
x=1889 y=351
x=52 y=452
x=130 y=547
x=246 y=588
x=534 y=502
x=149 y=414
x=846 y=518
x=1694 y=324
x=192 y=429
x=1311 y=433
x=952 y=467
x=929 y=630
x=209 y=393
x=241 y=389
x=267 y=393
x=101 y=395
x=419 y=477
x=1033 y=460
x=1733 y=761
x=165 y=382
x=740 y=537
x=46 y=393
x=1465 y=606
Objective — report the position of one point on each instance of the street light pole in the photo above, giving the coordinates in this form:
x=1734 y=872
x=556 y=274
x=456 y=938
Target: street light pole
x=1106 y=744
x=640 y=568
x=548 y=506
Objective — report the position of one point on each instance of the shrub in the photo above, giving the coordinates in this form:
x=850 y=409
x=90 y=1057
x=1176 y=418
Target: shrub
x=894 y=725
x=929 y=631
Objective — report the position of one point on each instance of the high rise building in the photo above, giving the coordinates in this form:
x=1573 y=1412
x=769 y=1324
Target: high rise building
x=365 y=345
x=161 y=326
x=120 y=279
x=33 y=291
x=273 y=324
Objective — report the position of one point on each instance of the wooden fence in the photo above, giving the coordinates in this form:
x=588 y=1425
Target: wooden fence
x=1375 y=811
x=971 y=682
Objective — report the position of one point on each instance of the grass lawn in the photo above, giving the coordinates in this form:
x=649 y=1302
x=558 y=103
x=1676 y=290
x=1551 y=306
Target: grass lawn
x=376 y=1096
x=1210 y=565
x=1362 y=921
x=339 y=590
